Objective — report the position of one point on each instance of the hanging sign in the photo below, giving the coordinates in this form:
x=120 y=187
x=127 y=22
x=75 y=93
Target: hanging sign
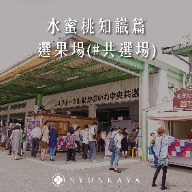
x=182 y=99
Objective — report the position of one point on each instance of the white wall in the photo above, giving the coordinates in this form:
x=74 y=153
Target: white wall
x=158 y=88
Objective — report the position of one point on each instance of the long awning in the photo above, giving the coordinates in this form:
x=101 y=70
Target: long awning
x=172 y=116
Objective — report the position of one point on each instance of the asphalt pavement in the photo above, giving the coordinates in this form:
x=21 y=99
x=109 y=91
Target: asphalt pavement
x=31 y=175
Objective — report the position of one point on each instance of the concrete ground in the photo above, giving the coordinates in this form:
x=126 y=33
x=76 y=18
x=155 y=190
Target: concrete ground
x=32 y=175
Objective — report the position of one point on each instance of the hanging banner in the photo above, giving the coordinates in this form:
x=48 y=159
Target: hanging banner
x=115 y=92
x=182 y=99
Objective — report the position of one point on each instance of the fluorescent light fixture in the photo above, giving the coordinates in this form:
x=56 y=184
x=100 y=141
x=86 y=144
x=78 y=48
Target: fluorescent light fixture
x=72 y=78
x=39 y=87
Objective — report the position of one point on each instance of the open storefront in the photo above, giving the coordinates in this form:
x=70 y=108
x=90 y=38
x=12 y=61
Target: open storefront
x=177 y=124
x=61 y=124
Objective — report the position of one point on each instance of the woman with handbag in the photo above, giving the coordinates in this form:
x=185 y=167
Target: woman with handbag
x=44 y=140
x=16 y=138
x=53 y=135
x=116 y=136
x=161 y=151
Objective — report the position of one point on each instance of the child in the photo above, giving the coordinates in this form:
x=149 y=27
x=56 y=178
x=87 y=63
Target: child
x=71 y=145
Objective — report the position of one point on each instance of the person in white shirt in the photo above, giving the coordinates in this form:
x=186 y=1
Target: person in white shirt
x=77 y=138
x=84 y=134
x=116 y=134
x=92 y=141
x=35 y=134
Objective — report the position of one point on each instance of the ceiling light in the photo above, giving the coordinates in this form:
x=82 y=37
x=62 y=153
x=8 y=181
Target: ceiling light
x=39 y=87
x=72 y=78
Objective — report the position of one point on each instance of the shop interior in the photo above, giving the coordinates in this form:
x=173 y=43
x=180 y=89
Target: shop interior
x=180 y=129
x=18 y=118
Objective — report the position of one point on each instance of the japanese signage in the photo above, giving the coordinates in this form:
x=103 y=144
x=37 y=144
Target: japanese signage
x=3 y=108
x=18 y=106
x=182 y=99
x=116 y=92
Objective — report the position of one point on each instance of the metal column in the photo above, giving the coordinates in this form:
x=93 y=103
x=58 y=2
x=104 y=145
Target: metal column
x=143 y=105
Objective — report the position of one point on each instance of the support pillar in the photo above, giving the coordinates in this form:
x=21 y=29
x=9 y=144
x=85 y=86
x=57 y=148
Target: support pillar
x=25 y=129
x=38 y=102
x=92 y=111
x=143 y=105
x=190 y=61
x=52 y=111
x=39 y=99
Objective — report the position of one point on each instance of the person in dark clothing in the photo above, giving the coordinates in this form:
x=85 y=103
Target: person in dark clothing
x=84 y=134
x=101 y=145
x=124 y=145
x=53 y=135
x=132 y=143
x=161 y=151
x=71 y=145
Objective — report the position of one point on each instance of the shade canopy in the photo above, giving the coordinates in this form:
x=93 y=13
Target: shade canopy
x=172 y=116
x=47 y=76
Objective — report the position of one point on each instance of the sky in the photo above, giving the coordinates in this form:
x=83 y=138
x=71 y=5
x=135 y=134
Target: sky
x=24 y=24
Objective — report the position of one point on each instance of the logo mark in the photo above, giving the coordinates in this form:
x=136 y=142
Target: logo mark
x=58 y=180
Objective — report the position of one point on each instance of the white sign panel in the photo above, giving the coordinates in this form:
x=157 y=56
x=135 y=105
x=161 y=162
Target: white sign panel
x=116 y=92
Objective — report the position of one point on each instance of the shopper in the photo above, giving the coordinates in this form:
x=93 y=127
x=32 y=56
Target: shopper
x=101 y=144
x=12 y=126
x=44 y=140
x=107 y=152
x=84 y=134
x=77 y=138
x=53 y=135
x=35 y=135
x=136 y=142
x=161 y=151
x=71 y=145
x=24 y=138
x=124 y=145
x=117 y=137
x=16 y=138
x=7 y=147
x=92 y=141
x=152 y=144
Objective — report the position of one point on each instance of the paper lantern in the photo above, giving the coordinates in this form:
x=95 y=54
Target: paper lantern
x=183 y=154
x=187 y=143
x=173 y=144
x=187 y=148
x=177 y=143
x=178 y=154
x=173 y=148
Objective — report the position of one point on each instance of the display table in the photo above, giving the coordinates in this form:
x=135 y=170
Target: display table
x=180 y=153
